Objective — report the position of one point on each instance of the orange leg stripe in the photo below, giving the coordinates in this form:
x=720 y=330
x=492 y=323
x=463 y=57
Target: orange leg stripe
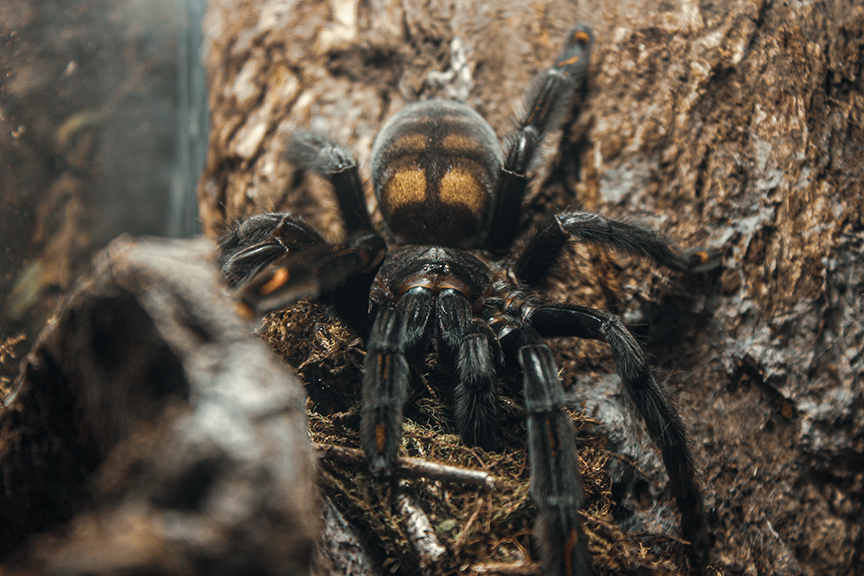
x=572 y=541
x=384 y=364
x=551 y=433
x=341 y=251
x=571 y=60
x=581 y=35
x=244 y=311
x=380 y=437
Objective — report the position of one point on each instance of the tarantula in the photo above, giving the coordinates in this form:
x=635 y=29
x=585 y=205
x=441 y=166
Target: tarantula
x=451 y=202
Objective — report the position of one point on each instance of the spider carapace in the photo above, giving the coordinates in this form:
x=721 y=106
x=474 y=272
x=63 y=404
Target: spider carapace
x=451 y=201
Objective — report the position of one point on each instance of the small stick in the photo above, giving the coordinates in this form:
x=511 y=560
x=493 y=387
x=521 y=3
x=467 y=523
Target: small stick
x=464 y=534
x=518 y=569
x=340 y=544
x=414 y=467
x=418 y=528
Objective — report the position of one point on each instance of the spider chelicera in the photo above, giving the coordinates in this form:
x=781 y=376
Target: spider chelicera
x=451 y=202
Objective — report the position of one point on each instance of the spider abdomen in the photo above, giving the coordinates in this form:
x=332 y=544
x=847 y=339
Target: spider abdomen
x=435 y=166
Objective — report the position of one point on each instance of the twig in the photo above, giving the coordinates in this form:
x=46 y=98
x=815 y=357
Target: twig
x=418 y=527
x=414 y=467
x=518 y=569
x=341 y=545
x=464 y=535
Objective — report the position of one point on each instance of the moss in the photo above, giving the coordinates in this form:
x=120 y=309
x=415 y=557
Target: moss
x=476 y=526
x=8 y=366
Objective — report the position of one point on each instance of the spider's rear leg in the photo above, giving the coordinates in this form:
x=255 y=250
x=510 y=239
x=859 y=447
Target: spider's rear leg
x=556 y=482
x=548 y=101
x=653 y=402
x=545 y=247
x=398 y=333
x=316 y=153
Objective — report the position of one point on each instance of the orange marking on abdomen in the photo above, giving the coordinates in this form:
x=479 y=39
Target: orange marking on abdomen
x=406 y=186
x=459 y=143
x=412 y=142
x=460 y=186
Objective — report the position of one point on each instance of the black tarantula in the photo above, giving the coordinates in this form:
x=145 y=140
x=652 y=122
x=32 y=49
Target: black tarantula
x=451 y=202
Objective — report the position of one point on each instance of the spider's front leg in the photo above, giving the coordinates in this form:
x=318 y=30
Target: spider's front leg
x=470 y=346
x=273 y=260
x=261 y=240
x=398 y=333
x=556 y=482
x=652 y=401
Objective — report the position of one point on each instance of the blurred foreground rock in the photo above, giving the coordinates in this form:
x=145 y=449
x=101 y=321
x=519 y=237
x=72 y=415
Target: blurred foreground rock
x=150 y=415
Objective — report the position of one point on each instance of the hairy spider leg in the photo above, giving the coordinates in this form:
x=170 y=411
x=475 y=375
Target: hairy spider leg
x=469 y=346
x=548 y=101
x=556 y=482
x=276 y=259
x=652 y=400
x=259 y=241
x=544 y=248
x=310 y=272
x=398 y=332
x=314 y=152
x=399 y=335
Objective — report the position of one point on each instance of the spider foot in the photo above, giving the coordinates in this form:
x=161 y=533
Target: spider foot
x=562 y=543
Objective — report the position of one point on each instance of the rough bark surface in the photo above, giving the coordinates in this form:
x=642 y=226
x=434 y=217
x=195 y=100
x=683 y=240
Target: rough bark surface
x=731 y=124
x=150 y=421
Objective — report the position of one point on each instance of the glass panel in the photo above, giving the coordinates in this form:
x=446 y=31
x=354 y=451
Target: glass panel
x=103 y=131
